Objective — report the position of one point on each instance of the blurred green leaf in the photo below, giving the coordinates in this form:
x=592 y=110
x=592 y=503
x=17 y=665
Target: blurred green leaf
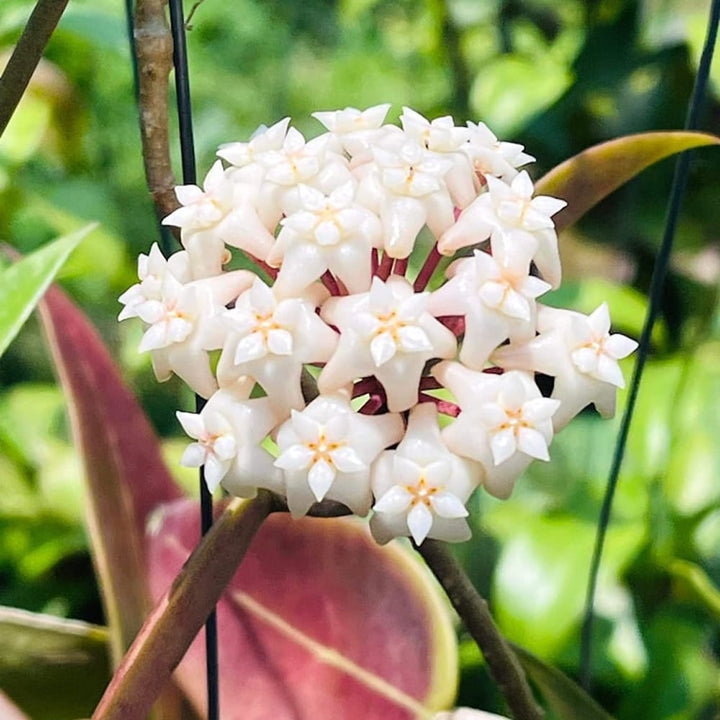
x=693 y=583
x=682 y=676
x=584 y=180
x=691 y=478
x=538 y=593
x=53 y=669
x=23 y=284
x=511 y=89
x=564 y=696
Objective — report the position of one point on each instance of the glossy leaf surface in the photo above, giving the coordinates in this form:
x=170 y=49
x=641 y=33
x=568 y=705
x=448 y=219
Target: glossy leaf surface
x=318 y=622
x=585 y=179
x=23 y=283
x=125 y=473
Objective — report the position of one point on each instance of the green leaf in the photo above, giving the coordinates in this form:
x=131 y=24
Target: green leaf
x=538 y=587
x=585 y=179
x=563 y=695
x=54 y=669
x=692 y=582
x=511 y=89
x=24 y=283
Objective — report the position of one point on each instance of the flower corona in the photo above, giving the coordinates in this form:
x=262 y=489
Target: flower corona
x=397 y=271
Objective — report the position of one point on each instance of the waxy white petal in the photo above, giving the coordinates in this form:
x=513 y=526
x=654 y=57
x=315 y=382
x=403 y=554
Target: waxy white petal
x=532 y=443
x=320 y=478
x=396 y=500
x=419 y=522
x=503 y=446
x=447 y=505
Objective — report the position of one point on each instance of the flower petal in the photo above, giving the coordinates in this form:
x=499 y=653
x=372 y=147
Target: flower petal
x=503 y=446
x=346 y=459
x=419 y=522
x=532 y=443
x=382 y=348
x=447 y=505
x=320 y=478
x=296 y=457
x=396 y=500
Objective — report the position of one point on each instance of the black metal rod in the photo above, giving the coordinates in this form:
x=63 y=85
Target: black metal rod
x=187 y=151
x=662 y=262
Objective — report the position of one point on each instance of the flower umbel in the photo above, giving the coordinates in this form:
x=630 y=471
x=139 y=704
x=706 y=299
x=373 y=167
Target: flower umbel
x=338 y=357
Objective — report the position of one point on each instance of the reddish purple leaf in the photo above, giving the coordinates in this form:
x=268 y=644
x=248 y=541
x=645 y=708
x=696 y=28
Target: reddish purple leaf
x=318 y=622
x=126 y=476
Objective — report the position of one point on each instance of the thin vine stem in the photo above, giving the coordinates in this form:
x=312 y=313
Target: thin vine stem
x=662 y=262
x=25 y=58
x=189 y=171
x=473 y=610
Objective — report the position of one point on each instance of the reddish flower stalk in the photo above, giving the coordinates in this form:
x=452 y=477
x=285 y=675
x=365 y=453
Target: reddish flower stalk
x=329 y=281
x=429 y=383
x=454 y=323
x=427 y=270
x=374 y=403
x=384 y=268
x=400 y=267
x=443 y=406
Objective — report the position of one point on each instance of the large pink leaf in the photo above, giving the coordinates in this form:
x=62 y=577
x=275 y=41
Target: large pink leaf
x=318 y=622
x=126 y=477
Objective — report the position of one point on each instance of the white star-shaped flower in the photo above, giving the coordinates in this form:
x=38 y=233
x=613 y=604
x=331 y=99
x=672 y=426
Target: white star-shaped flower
x=421 y=488
x=355 y=129
x=496 y=296
x=328 y=233
x=182 y=325
x=264 y=140
x=270 y=340
x=406 y=188
x=504 y=422
x=388 y=333
x=441 y=136
x=327 y=450
x=228 y=432
x=580 y=353
x=220 y=213
x=152 y=269
x=512 y=210
x=489 y=156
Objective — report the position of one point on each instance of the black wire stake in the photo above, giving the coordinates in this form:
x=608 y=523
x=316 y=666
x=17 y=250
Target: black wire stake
x=677 y=191
x=187 y=150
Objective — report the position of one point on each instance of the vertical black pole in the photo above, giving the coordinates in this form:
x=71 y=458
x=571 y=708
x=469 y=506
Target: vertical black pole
x=662 y=262
x=187 y=149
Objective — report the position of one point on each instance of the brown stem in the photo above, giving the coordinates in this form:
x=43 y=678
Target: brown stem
x=475 y=614
x=154 y=50
x=26 y=56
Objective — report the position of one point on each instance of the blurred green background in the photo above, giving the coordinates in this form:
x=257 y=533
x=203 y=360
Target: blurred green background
x=557 y=77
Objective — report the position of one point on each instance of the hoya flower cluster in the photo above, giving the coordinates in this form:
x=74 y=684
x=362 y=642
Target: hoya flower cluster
x=326 y=371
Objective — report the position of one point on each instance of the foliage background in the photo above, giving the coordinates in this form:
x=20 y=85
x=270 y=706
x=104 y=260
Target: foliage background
x=556 y=77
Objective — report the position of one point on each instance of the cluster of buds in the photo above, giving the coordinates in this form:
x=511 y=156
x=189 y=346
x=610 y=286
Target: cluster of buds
x=384 y=352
